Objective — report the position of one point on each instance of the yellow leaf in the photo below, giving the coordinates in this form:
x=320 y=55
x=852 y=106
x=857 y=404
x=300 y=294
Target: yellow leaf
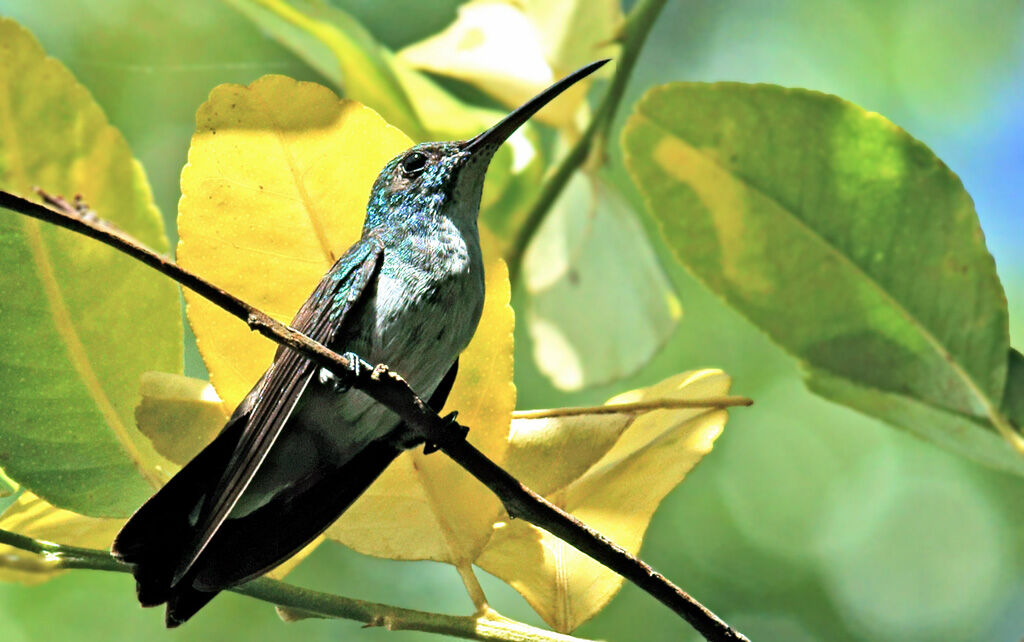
x=276 y=187
x=275 y=190
x=617 y=495
x=426 y=506
x=512 y=50
x=34 y=517
x=179 y=414
x=287 y=566
x=341 y=49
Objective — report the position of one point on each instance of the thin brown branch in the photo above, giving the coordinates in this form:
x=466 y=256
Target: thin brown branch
x=635 y=407
x=390 y=390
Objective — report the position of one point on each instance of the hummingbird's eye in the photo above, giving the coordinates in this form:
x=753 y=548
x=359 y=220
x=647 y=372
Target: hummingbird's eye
x=414 y=163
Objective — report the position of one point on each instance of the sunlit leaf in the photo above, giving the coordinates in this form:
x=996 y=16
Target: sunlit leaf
x=275 y=190
x=426 y=506
x=283 y=169
x=309 y=30
x=845 y=239
x=179 y=414
x=630 y=465
x=336 y=45
x=518 y=169
x=475 y=48
x=444 y=116
x=575 y=32
x=80 y=321
x=513 y=50
x=590 y=253
x=339 y=47
x=34 y=517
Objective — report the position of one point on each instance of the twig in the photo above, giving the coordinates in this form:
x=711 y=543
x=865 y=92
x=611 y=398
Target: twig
x=638 y=24
x=634 y=407
x=390 y=390
x=487 y=625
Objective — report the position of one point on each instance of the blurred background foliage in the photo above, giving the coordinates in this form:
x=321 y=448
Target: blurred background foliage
x=808 y=521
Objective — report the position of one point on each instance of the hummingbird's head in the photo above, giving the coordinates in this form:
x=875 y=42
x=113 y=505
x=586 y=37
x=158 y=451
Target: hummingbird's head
x=426 y=181
x=446 y=179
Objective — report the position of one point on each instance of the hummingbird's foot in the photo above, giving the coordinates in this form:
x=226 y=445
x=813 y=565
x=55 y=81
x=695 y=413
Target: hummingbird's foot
x=450 y=420
x=355 y=366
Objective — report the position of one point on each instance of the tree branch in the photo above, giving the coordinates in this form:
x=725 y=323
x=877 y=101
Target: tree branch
x=297 y=602
x=634 y=407
x=390 y=390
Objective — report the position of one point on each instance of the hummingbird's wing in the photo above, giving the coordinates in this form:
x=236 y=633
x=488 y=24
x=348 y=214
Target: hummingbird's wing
x=297 y=517
x=163 y=539
x=286 y=523
x=283 y=385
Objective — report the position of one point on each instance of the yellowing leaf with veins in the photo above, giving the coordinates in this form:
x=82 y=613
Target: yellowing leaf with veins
x=624 y=482
x=513 y=50
x=276 y=187
x=426 y=506
x=275 y=190
x=34 y=517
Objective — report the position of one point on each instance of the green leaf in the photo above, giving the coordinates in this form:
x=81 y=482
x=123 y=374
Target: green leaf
x=7 y=485
x=960 y=433
x=339 y=47
x=81 y=322
x=592 y=254
x=844 y=238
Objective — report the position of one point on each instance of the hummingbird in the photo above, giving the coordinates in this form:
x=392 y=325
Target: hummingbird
x=302 y=446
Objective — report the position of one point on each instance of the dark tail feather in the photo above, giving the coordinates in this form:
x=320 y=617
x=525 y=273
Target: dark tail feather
x=153 y=539
x=185 y=602
x=273 y=533
x=283 y=526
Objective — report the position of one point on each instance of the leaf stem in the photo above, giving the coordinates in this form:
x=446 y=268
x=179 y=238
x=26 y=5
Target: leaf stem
x=391 y=391
x=472 y=584
x=486 y=625
x=634 y=32
x=633 y=407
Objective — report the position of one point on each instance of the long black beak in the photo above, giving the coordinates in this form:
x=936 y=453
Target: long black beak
x=496 y=135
